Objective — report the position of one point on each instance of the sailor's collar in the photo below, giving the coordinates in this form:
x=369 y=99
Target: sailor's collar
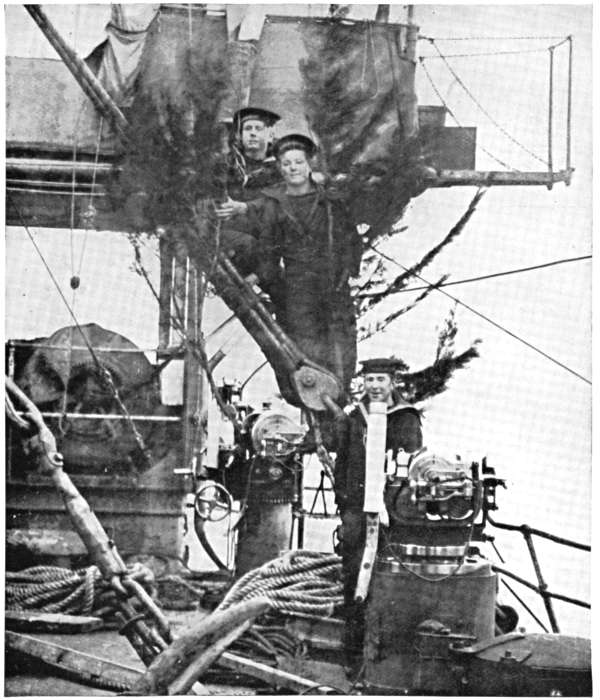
x=394 y=408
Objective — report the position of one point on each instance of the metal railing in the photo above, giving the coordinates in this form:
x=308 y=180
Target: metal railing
x=542 y=587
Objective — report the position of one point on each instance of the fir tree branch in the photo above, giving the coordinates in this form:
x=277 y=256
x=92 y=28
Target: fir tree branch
x=432 y=380
x=382 y=325
x=402 y=280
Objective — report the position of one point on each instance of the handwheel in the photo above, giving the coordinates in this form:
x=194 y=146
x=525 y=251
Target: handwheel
x=213 y=502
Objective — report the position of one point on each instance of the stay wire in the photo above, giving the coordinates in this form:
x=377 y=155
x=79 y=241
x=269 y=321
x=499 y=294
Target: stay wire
x=470 y=140
x=483 y=109
x=487 y=318
x=105 y=373
x=489 y=38
x=92 y=192
x=366 y=295
x=484 y=53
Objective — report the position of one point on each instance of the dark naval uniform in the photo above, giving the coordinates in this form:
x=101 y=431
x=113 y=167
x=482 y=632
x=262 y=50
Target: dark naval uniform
x=239 y=236
x=403 y=432
x=308 y=248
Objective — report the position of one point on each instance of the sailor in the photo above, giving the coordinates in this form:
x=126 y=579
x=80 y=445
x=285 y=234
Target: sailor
x=251 y=168
x=308 y=250
x=403 y=433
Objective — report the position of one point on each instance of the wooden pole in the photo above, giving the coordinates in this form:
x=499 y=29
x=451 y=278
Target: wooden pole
x=80 y=71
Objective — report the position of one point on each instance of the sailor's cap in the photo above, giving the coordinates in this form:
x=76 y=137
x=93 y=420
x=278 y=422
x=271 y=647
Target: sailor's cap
x=259 y=113
x=382 y=365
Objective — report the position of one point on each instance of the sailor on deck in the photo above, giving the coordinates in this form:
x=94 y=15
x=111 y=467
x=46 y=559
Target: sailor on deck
x=403 y=433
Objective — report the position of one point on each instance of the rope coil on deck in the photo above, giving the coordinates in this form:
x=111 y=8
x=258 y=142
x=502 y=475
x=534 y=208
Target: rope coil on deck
x=300 y=581
x=53 y=589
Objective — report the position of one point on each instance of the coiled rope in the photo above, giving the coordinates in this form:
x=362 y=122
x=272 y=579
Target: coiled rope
x=300 y=581
x=53 y=589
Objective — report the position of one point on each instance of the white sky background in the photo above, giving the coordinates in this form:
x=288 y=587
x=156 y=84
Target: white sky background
x=529 y=416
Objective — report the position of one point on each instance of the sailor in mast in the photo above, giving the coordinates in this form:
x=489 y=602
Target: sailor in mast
x=251 y=167
x=353 y=474
x=309 y=248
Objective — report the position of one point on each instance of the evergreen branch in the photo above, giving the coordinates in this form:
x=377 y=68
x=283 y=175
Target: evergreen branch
x=433 y=380
x=382 y=325
x=402 y=280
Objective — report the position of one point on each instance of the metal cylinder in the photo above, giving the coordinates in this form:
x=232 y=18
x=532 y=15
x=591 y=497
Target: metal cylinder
x=460 y=601
x=264 y=533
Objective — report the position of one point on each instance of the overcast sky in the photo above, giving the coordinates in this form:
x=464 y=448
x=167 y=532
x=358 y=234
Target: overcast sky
x=531 y=417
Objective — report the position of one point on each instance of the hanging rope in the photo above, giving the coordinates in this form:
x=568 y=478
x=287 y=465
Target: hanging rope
x=300 y=581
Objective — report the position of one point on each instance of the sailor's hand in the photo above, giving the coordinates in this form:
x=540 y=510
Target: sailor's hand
x=230 y=208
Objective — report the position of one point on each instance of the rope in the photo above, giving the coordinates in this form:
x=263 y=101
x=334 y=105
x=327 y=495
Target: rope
x=53 y=589
x=300 y=581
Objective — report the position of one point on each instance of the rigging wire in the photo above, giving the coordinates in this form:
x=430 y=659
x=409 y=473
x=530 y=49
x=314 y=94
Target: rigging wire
x=490 y=38
x=91 y=208
x=105 y=372
x=487 y=318
x=483 y=109
x=365 y=295
x=470 y=140
x=484 y=53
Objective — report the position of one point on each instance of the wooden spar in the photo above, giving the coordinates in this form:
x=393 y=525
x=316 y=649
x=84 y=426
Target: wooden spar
x=80 y=71
x=45 y=171
x=27 y=167
x=193 y=374
x=272 y=676
x=488 y=178
x=201 y=637
x=92 y=668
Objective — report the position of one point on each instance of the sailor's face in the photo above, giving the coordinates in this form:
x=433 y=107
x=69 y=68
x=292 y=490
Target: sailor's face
x=378 y=386
x=255 y=138
x=294 y=167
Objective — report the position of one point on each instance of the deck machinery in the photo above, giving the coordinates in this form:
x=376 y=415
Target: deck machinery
x=432 y=613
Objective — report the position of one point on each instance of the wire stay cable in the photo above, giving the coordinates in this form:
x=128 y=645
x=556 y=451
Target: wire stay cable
x=483 y=109
x=470 y=140
x=493 y=275
x=484 y=53
x=490 y=38
x=488 y=319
